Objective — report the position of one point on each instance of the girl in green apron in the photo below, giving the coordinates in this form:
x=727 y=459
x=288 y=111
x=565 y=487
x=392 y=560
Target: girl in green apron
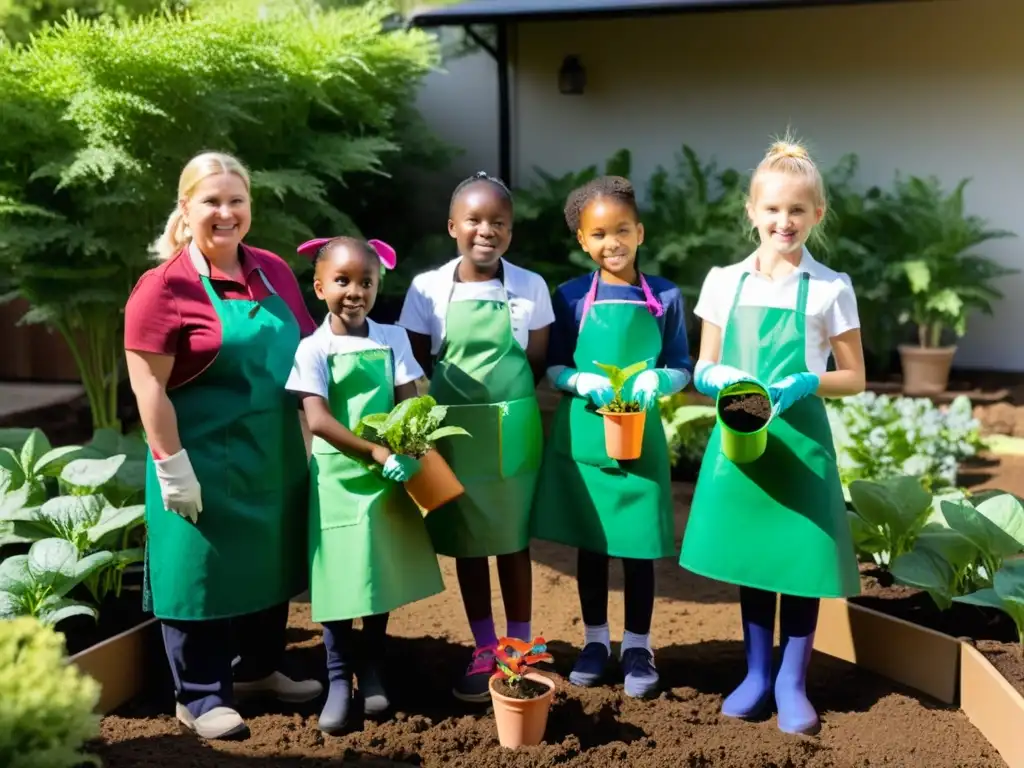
x=609 y=508
x=481 y=325
x=369 y=552
x=778 y=525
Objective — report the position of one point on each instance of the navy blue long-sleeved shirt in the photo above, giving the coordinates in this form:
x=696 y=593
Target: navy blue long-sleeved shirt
x=570 y=297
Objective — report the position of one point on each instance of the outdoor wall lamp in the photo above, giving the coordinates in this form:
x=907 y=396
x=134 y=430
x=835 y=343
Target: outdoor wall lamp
x=572 y=77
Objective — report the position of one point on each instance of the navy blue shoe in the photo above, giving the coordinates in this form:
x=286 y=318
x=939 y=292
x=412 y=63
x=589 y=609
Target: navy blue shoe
x=334 y=716
x=591 y=665
x=641 y=676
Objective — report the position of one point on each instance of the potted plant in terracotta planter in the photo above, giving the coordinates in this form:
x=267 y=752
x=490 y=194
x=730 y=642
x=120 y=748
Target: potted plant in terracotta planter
x=624 y=419
x=521 y=698
x=935 y=239
x=412 y=428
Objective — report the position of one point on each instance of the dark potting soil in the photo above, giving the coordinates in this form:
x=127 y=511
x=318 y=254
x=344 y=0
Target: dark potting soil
x=867 y=720
x=992 y=632
x=524 y=689
x=745 y=413
x=617 y=406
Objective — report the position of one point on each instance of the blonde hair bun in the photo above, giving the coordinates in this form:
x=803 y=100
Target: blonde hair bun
x=788 y=148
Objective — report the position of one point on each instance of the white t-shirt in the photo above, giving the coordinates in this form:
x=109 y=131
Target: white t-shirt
x=310 y=374
x=426 y=302
x=831 y=303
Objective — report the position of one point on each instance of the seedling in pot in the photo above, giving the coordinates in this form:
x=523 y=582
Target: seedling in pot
x=411 y=428
x=514 y=658
x=618 y=377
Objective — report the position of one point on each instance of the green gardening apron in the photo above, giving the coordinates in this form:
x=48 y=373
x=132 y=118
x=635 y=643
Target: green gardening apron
x=369 y=551
x=778 y=523
x=585 y=499
x=241 y=429
x=484 y=377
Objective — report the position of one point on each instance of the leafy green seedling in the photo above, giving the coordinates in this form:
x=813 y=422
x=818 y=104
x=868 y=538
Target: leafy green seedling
x=618 y=378
x=412 y=428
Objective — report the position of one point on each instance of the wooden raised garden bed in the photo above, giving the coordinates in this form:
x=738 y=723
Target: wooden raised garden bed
x=947 y=668
x=120 y=663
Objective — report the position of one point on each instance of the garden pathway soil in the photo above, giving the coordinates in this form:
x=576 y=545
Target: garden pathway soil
x=868 y=721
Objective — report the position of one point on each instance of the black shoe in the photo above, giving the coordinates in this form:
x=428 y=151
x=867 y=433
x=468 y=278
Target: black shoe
x=334 y=716
x=375 y=698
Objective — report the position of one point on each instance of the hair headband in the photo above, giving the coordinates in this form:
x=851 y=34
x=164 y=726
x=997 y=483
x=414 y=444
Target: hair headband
x=385 y=252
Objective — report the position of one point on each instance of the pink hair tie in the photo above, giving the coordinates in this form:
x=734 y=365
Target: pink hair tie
x=384 y=252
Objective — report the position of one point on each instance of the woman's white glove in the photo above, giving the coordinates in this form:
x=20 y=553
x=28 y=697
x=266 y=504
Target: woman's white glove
x=179 y=487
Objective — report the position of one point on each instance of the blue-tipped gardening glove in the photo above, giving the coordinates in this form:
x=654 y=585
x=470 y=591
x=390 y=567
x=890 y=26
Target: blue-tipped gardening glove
x=792 y=388
x=590 y=386
x=400 y=468
x=648 y=386
x=711 y=378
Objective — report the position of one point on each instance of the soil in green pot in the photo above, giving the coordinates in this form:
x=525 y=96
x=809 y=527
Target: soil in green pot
x=745 y=413
x=524 y=689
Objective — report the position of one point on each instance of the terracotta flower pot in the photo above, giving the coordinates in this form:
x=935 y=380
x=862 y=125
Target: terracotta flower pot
x=522 y=722
x=434 y=485
x=925 y=369
x=623 y=434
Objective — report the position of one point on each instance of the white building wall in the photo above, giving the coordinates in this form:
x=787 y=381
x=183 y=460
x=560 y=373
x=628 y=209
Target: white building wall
x=923 y=88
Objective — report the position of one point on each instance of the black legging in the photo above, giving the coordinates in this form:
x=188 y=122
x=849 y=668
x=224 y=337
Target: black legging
x=592 y=580
x=339 y=640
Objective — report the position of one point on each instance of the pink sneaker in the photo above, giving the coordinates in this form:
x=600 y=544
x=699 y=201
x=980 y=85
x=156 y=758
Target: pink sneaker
x=474 y=685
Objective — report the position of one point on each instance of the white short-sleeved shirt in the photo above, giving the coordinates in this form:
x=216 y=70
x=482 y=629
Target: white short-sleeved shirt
x=831 y=303
x=310 y=374
x=426 y=303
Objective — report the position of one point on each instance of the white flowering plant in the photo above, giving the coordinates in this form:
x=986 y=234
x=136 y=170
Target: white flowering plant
x=877 y=437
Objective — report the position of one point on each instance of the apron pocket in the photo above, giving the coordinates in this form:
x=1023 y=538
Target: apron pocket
x=477 y=456
x=522 y=437
x=255 y=447
x=344 y=490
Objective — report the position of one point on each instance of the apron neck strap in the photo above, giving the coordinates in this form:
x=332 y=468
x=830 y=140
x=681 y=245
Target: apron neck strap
x=801 y=296
x=653 y=305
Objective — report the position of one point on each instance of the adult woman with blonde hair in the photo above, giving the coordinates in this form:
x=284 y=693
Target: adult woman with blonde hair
x=210 y=335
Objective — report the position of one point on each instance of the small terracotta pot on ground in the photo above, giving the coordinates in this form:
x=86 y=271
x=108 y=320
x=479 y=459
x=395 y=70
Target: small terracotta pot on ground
x=522 y=722
x=623 y=434
x=435 y=484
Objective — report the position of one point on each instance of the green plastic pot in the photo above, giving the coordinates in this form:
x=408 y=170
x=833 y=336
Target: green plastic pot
x=743 y=447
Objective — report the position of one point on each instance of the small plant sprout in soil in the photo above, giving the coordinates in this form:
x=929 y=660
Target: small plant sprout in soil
x=746 y=412
x=618 y=377
x=514 y=659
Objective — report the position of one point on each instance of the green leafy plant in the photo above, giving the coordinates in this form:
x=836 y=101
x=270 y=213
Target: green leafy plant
x=99 y=118
x=411 y=428
x=618 y=377
x=26 y=468
x=887 y=516
x=1006 y=594
x=936 y=238
x=37 y=584
x=687 y=427
x=48 y=706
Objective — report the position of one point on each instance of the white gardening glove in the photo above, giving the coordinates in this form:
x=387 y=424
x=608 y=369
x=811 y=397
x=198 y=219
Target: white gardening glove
x=179 y=486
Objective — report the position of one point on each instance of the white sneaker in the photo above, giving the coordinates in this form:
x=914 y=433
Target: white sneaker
x=282 y=687
x=218 y=723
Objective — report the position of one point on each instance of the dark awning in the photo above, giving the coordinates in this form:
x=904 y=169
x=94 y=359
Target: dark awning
x=498 y=11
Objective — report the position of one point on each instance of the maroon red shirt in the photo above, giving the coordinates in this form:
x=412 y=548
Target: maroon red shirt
x=169 y=312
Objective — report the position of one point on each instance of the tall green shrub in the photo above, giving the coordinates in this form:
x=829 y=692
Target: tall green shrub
x=98 y=119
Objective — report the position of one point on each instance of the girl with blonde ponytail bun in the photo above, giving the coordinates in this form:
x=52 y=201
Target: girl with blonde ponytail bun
x=776 y=525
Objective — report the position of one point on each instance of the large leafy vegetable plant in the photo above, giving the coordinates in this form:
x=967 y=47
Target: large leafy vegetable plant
x=1005 y=594
x=411 y=428
x=46 y=705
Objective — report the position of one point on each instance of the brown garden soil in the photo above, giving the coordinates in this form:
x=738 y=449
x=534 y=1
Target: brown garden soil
x=745 y=413
x=867 y=720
